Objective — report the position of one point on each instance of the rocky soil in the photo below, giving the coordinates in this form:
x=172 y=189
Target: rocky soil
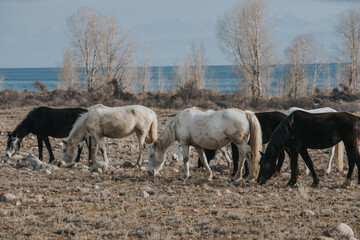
x=121 y=202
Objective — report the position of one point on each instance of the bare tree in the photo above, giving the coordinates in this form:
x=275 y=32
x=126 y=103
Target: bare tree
x=145 y=73
x=302 y=52
x=244 y=34
x=161 y=80
x=348 y=49
x=117 y=55
x=69 y=74
x=190 y=73
x=105 y=51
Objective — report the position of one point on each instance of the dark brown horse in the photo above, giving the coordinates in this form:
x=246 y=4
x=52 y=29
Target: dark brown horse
x=302 y=130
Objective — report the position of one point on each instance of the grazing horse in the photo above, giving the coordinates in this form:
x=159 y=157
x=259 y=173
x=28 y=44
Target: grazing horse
x=44 y=122
x=209 y=130
x=113 y=122
x=302 y=130
x=268 y=122
x=337 y=150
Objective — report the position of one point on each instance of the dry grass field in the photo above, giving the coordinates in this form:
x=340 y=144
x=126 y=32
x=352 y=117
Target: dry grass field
x=127 y=203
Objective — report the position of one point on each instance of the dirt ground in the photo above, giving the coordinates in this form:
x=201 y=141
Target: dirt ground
x=127 y=203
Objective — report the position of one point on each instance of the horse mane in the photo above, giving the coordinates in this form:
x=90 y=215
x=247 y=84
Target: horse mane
x=168 y=134
x=279 y=138
x=80 y=122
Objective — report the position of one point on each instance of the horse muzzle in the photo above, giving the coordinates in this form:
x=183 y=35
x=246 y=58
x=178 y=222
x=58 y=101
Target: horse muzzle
x=152 y=172
x=261 y=181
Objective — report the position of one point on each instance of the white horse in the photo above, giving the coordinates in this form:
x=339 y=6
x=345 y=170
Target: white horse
x=177 y=152
x=113 y=122
x=337 y=150
x=209 y=130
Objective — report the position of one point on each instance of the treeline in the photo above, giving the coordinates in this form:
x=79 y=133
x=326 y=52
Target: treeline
x=104 y=53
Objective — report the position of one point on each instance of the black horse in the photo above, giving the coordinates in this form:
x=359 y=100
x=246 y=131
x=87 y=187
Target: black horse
x=269 y=122
x=44 y=122
x=302 y=130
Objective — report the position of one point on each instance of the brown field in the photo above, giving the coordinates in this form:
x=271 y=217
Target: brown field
x=127 y=203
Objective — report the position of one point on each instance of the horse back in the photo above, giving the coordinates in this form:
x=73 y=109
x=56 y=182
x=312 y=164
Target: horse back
x=52 y=122
x=323 y=130
x=269 y=121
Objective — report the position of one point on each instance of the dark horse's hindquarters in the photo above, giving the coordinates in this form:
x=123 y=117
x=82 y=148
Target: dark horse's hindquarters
x=302 y=130
x=44 y=122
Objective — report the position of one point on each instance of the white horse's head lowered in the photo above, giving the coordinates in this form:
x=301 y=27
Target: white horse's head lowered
x=156 y=159
x=69 y=152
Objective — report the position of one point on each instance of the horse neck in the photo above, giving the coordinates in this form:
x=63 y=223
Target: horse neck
x=23 y=128
x=279 y=139
x=167 y=136
x=78 y=132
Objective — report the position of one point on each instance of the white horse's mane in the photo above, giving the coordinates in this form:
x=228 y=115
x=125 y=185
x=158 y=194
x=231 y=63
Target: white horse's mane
x=167 y=135
x=80 y=122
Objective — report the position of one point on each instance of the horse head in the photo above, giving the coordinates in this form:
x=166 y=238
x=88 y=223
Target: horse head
x=69 y=151
x=156 y=160
x=266 y=169
x=13 y=144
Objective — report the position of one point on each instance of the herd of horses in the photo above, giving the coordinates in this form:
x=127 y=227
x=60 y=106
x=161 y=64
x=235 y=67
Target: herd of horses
x=293 y=132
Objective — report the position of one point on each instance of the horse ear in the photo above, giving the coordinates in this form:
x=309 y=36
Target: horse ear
x=261 y=153
x=9 y=133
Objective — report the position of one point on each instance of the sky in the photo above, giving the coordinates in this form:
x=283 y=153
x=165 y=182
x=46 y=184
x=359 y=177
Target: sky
x=33 y=32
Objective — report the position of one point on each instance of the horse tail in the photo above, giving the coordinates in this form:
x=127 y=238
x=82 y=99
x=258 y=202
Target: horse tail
x=255 y=142
x=339 y=155
x=152 y=134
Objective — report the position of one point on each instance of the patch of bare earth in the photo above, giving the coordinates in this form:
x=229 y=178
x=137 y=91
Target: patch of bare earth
x=127 y=203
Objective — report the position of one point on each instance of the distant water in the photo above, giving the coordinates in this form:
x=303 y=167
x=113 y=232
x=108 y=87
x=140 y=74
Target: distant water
x=220 y=78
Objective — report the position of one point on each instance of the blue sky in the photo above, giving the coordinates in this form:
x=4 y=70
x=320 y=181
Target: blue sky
x=32 y=32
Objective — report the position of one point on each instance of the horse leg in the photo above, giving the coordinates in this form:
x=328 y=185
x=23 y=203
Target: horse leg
x=226 y=156
x=353 y=157
x=40 y=146
x=94 y=149
x=203 y=159
x=210 y=154
x=241 y=150
x=102 y=148
x=235 y=157
x=186 y=171
x=80 y=147
x=305 y=156
x=328 y=170
x=293 y=165
x=141 y=141
x=281 y=158
x=48 y=146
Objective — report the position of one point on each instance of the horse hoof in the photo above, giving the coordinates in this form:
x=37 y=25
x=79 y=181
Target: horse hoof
x=346 y=184
x=291 y=184
x=314 y=185
x=182 y=178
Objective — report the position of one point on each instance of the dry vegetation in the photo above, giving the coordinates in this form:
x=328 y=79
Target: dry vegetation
x=126 y=203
